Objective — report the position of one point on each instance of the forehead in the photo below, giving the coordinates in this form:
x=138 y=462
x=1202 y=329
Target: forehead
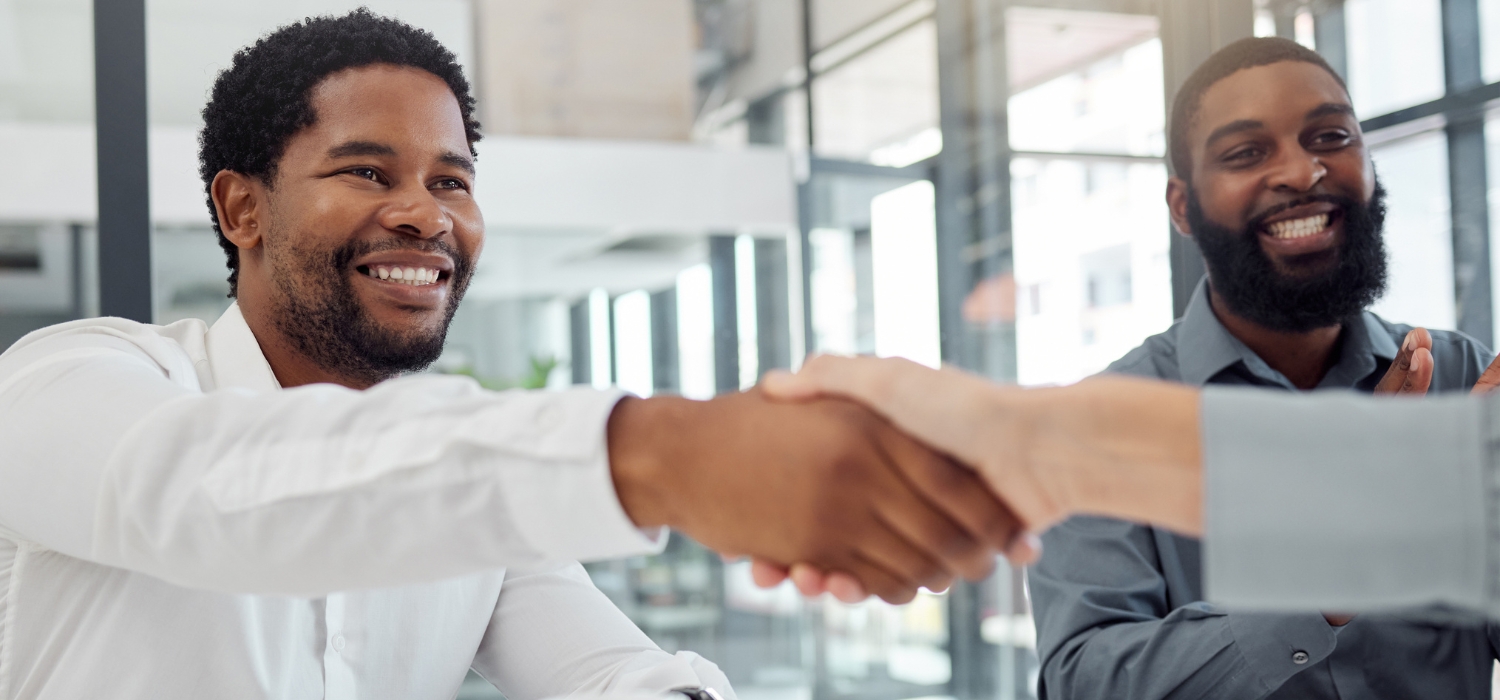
x=1280 y=94
x=391 y=104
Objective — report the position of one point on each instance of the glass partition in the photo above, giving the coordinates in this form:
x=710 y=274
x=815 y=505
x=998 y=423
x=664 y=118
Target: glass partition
x=1395 y=53
x=1418 y=231
x=47 y=190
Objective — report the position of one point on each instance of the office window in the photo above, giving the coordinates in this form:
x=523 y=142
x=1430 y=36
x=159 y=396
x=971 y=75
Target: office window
x=1492 y=160
x=881 y=106
x=1418 y=231
x=1395 y=53
x=1489 y=36
x=47 y=208
x=1091 y=251
x=1085 y=82
x=1090 y=233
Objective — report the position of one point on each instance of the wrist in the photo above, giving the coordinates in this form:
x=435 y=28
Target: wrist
x=639 y=461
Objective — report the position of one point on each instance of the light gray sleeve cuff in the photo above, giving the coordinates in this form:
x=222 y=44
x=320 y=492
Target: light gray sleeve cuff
x=1336 y=501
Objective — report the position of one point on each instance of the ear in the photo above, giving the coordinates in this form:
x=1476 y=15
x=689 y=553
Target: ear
x=1177 y=205
x=239 y=200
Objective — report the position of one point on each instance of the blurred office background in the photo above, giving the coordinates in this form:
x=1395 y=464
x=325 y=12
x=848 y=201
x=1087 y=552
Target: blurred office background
x=683 y=194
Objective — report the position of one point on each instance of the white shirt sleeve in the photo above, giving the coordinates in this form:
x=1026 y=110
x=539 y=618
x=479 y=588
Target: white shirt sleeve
x=113 y=455
x=1334 y=501
x=554 y=633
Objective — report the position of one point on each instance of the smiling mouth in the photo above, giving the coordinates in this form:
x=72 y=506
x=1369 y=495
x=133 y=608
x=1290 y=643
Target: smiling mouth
x=1292 y=229
x=410 y=276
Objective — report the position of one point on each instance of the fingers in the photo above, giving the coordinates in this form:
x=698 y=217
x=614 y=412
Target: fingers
x=767 y=574
x=1025 y=550
x=1397 y=379
x=969 y=525
x=877 y=581
x=1419 y=377
x=846 y=588
x=1490 y=379
x=809 y=580
x=910 y=563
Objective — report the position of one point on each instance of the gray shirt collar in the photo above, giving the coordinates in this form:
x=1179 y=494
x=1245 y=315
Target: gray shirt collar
x=1213 y=349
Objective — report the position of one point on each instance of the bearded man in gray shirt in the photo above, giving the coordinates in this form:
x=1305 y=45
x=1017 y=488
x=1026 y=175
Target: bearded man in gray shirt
x=1273 y=181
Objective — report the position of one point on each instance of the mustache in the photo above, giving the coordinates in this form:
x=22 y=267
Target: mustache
x=346 y=254
x=1258 y=221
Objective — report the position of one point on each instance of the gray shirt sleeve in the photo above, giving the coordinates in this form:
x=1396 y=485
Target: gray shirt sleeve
x=1107 y=629
x=1335 y=501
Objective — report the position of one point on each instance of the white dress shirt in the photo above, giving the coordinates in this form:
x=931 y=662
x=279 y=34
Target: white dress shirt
x=173 y=524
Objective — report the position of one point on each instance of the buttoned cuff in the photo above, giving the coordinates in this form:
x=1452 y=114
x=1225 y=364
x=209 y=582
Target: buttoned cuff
x=1277 y=647
x=565 y=505
x=1335 y=501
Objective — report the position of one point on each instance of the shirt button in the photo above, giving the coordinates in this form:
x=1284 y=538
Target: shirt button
x=338 y=642
x=1299 y=657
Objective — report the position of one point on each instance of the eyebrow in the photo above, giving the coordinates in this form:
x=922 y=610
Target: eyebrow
x=1329 y=109
x=360 y=148
x=371 y=148
x=462 y=162
x=1233 y=128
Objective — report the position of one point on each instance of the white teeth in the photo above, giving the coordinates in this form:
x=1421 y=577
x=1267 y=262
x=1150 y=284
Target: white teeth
x=1298 y=228
x=412 y=276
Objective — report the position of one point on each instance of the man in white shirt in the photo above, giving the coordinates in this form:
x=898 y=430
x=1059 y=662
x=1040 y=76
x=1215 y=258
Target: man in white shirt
x=267 y=508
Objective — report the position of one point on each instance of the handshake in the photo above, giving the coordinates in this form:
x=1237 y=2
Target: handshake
x=861 y=476
x=865 y=476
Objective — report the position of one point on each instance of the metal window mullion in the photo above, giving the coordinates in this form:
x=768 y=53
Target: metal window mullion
x=120 y=124
x=1468 y=182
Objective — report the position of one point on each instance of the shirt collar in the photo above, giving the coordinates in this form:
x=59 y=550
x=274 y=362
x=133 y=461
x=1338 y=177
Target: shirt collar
x=1209 y=348
x=234 y=356
x=1204 y=347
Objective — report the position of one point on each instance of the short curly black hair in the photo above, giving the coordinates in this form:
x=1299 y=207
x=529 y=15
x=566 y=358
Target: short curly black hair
x=1242 y=54
x=261 y=100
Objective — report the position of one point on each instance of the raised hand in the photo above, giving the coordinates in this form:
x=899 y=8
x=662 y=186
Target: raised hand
x=1411 y=372
x=1489 y=380
x=824 y=481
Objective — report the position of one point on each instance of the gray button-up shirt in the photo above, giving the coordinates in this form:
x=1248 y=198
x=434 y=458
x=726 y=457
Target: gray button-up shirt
x=1119 y=607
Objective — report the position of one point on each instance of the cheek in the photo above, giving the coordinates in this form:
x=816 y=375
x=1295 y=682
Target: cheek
x=468 y=230
x=1228 y=200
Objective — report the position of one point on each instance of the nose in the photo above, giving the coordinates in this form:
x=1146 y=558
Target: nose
x=415 y=212
x=1297 y=171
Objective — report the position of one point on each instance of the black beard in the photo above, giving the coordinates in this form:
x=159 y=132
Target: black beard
x=329 y=326
x=1320 y=289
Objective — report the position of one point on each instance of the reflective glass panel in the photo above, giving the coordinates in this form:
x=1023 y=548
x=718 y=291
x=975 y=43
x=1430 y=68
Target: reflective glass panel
x=1086 y=82
x=1395 y=53
x=1092 y=278
x=47 y=188
x=881 y=106
x=1418 y=231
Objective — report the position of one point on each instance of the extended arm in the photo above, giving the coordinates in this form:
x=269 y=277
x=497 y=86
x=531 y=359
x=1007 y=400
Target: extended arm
x=113 y=456
x=1413 y=524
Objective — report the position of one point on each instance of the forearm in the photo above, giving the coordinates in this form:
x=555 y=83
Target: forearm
x=302 y=491
x=554 y=634
x=1113 y=446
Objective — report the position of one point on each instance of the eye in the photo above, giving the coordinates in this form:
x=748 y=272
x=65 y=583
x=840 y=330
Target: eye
x=1242 y=155
x=365 y=173
x=1331 y=139
x=451 y=183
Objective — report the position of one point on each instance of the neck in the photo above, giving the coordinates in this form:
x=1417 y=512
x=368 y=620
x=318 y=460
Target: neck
x=1303 y=358
x=291 y=367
